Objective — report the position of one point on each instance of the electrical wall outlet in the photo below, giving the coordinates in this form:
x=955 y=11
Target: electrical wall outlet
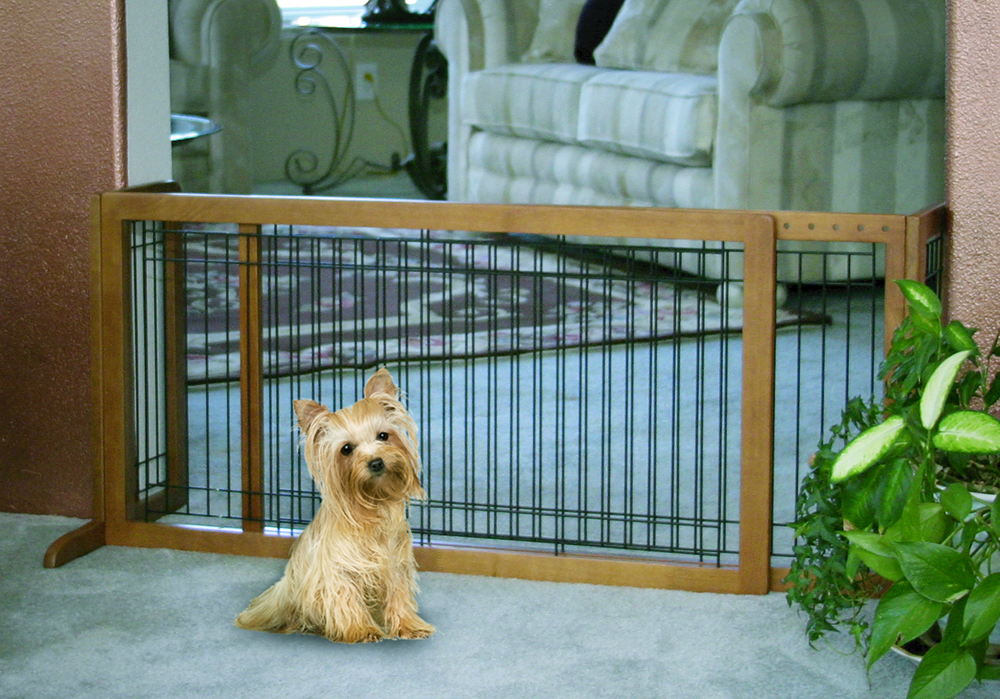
x=365 y=81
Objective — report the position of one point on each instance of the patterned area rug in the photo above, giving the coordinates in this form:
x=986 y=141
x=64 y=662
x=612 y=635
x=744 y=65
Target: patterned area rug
x=359 y=298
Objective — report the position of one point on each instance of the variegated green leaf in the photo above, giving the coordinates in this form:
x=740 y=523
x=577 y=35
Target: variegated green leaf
x=959 y=337
x=866 y=449
x=937 y=388
x=968 y=432
x=920 y=297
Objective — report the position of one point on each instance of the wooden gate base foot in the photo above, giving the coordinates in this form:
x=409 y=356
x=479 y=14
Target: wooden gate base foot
x=74 y=544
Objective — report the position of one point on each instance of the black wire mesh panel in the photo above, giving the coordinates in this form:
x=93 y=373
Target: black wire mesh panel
x=819 y=369
x=570 y=398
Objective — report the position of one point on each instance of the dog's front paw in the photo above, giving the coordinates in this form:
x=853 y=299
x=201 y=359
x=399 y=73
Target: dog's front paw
x=372 y=637
x=361 y=634
x=414 y=628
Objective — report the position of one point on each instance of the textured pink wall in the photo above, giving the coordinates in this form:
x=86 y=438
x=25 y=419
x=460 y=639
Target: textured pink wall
x=974 y=164
x=62 y=139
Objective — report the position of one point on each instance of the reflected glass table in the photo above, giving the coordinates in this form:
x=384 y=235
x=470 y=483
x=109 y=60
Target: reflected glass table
x=187 y=127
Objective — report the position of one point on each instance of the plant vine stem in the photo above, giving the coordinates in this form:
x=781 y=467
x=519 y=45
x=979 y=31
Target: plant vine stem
x=981 y=555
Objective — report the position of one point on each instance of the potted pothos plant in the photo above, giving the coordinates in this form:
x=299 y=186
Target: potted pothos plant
x=893 y=508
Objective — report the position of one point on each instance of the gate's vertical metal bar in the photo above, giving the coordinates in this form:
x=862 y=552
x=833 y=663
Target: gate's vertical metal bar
x=757 y=438
x=251 y=378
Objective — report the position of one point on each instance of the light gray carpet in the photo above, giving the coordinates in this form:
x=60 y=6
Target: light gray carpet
x=155 y=623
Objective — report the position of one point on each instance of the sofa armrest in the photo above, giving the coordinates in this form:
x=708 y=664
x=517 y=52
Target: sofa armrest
x=489 y=32
x=833 y=50
x=831 y=105
x=213 y=32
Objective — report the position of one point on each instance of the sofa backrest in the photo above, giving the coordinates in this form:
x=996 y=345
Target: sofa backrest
x=680 y=36
x=673 y=36
x=554 y=32
x=826 y=50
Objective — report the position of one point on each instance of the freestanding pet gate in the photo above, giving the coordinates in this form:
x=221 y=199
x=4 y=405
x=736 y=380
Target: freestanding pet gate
x=587 y=413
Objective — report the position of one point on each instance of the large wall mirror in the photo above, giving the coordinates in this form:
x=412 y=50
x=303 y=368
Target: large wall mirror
x=813 y=105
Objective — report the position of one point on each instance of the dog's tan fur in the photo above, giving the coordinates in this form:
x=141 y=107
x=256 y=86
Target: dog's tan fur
x=351 y=576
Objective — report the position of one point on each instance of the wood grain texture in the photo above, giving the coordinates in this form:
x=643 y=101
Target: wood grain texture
x=251 y=378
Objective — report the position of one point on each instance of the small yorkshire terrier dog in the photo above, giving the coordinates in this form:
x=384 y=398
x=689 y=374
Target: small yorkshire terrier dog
x=351 y=576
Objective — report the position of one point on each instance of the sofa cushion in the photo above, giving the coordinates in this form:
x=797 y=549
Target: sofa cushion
x=532 y=100
x=555 y=33
x=679 y=36
x=508 y=169
x=669 y=117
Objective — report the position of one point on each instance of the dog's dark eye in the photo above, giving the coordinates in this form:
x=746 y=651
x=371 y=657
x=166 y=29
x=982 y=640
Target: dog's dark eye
x=383 y=436
x=347 y=449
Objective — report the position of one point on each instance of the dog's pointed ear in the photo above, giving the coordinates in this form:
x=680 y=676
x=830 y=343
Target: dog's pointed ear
x=307 y=412
x=381 y=382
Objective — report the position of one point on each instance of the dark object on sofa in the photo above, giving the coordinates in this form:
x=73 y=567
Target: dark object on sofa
x=596 y=19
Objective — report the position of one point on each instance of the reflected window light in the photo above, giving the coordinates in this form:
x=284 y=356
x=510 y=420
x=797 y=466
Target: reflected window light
x=332 y=13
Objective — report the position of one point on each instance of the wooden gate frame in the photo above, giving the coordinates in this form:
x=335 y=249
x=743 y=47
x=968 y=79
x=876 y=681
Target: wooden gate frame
x=905 y=239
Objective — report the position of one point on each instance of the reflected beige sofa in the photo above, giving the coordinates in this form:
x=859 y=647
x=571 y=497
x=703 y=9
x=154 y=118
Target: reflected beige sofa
x=815 y=105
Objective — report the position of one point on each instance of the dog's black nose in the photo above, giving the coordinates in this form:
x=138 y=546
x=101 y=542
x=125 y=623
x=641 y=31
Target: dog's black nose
x=376 y=465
